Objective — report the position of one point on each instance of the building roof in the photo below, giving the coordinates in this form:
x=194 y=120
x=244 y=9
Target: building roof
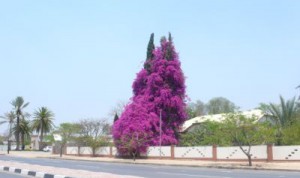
x=219 y=118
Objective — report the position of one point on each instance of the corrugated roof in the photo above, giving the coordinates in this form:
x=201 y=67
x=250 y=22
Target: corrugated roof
x=219 y=118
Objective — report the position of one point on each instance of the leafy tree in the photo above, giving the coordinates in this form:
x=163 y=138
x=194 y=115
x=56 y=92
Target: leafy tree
x=49 y=138
x=137 y=121
x=68 y=132
x=246 y=132
x=133 y=144
x=207 y=134
x=42 y=123
x=220 y=105
x=93 y=132
x=9 y=118
x=291 y=134
x=18 y=105
x=158 y=93
x=97 y=142
x=195 y=109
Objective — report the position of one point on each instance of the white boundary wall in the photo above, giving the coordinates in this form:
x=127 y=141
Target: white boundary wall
x=155 y=151
x=86 y=151
x=193 y=152
x=258 y=152
x=103 y=151
x=72 y=150
x=3 y=147
x=286 y=152
x=114 y=151
x=283 y=153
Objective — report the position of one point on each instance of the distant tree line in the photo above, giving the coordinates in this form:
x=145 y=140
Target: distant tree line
x=215 y=105
x=92 y=133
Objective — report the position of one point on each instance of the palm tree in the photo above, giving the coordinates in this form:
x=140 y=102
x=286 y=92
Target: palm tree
x=18 y=105
x=9 y=118
x=25 y=131
x=284 y=113
x=43 y=122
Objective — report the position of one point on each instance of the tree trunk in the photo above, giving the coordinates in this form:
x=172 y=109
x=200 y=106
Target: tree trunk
x=61 y=150
x=23 y=141
x=8 y=140
x=249 y=159
x=247 y=153
x=134 y=155
x=8 y=146
x=18 y=133
x=41 y=140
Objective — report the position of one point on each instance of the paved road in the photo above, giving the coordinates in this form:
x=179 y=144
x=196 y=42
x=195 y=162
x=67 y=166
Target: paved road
x=154 y=171
x=9 y=175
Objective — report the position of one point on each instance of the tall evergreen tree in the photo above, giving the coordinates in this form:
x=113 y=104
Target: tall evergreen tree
x=139 y=85
x=116 y=117
x=167 y=91
x=169 y=48
x=149 y=55
x=150 y=47
x=159 y=93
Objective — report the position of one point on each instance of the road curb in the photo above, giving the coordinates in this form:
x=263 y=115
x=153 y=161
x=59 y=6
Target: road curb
x=30 y=173
x=203 y=166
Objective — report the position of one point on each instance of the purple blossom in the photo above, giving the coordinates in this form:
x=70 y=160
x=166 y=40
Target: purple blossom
x=160 y=90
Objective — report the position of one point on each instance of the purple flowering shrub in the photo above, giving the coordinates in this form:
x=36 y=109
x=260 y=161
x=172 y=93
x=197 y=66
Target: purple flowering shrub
x=158 y=90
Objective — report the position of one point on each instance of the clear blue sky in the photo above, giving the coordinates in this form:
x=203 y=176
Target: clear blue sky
x=79 y=58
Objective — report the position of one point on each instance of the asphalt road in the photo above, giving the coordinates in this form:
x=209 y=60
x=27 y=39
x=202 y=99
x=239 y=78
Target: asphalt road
x=9 y=175
x=154 y=171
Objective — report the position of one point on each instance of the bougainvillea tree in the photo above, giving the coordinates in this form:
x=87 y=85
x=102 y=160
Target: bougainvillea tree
x=159 y=92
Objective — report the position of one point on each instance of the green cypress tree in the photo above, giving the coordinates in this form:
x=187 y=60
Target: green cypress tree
x=116 y=117
x=150 y=49
x=169 y=53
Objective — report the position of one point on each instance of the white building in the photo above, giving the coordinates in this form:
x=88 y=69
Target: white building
x=194 y=123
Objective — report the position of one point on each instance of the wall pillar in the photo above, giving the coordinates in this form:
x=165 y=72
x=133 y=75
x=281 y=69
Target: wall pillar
x=214 y=153
x=269 y=152
x=110 y=151
x=172 y=152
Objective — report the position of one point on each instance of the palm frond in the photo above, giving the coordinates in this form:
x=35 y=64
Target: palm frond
x=43 y=120
x=274 y=110
x=25 y=105
x=284 y=112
